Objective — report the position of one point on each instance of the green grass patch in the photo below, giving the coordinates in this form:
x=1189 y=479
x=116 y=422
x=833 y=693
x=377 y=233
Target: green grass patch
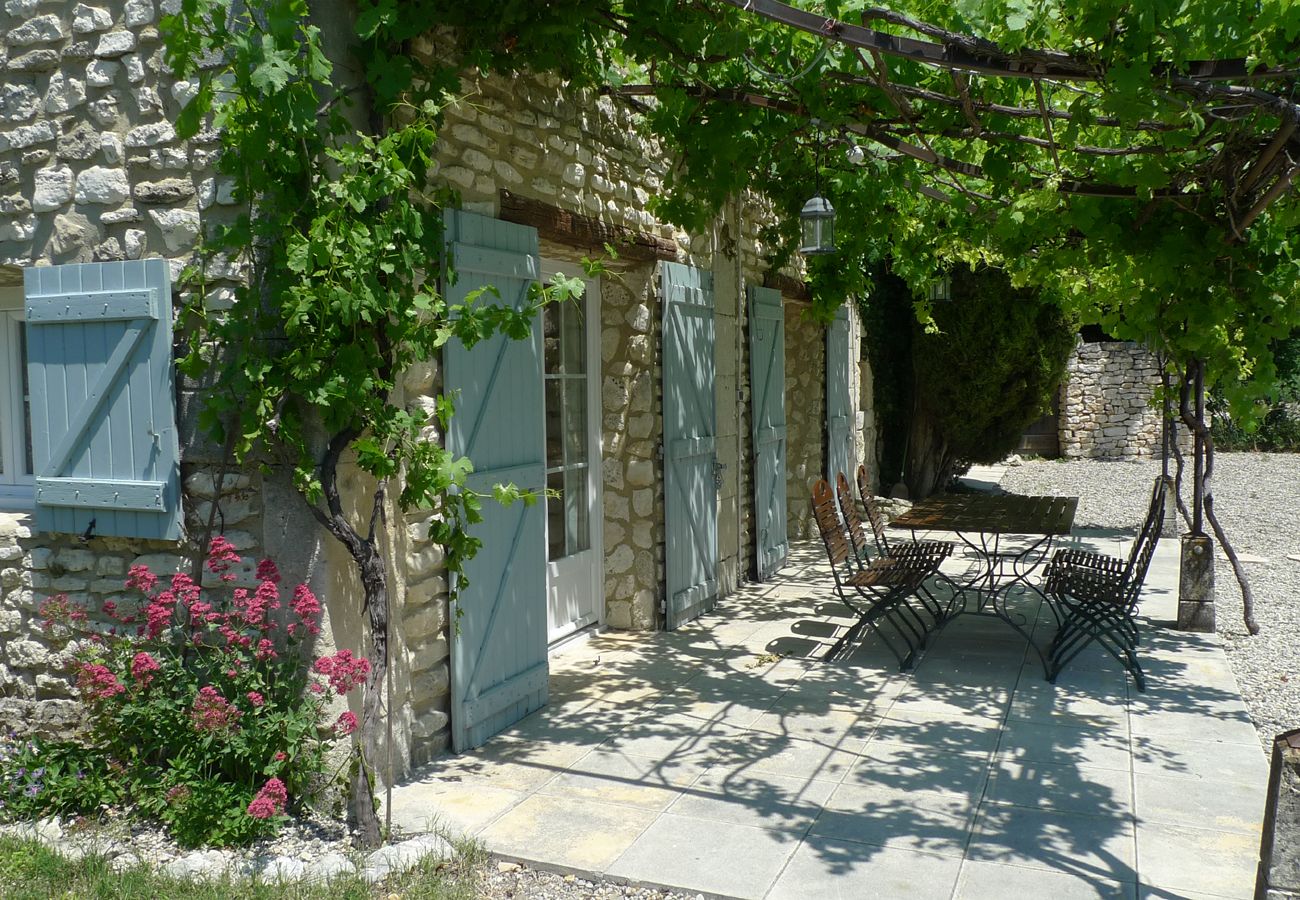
x=31 y=871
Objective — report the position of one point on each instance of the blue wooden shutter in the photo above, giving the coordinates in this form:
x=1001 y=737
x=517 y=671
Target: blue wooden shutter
x=104 y=444
x=767 y=392
x=839 y=406
x=690 y=427
x=499 y=668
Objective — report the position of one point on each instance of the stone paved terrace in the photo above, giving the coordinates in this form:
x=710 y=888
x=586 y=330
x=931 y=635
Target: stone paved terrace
x=700 y=760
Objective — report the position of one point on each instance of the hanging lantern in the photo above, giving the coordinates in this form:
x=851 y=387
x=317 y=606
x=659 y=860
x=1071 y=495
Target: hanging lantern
x=941 y=290
x=818 y=221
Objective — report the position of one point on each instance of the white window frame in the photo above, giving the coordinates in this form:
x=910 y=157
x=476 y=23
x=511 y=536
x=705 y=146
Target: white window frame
x=17 y=488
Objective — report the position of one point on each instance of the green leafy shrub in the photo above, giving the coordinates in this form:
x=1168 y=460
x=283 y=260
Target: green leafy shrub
x=204 y=712
x=988 y=368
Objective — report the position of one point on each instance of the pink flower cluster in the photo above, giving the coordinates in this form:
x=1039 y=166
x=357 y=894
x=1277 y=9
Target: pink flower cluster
x=343 y=670
x=346 y=724
x=212 y=713
x=221 y=556
x=96 y=682
x=270 y=800
x=142 y=668
x=59 y=610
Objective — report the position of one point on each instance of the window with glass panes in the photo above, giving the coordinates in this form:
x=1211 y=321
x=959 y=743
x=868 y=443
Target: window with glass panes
x=567 y=457
x=15 y=404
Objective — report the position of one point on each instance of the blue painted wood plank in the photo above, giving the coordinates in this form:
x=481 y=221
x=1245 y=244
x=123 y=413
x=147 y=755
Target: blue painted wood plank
x=690 y=429
x=499 y=651
x=103 y=407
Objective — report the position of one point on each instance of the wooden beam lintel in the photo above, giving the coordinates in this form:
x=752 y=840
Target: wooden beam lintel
x=791 y=288
x=578 y=230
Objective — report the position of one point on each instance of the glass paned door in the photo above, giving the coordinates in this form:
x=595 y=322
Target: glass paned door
x=572 y=456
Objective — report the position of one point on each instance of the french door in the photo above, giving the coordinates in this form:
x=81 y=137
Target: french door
x=571 y=360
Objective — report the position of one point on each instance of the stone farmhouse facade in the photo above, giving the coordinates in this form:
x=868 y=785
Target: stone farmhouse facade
x=101 y=206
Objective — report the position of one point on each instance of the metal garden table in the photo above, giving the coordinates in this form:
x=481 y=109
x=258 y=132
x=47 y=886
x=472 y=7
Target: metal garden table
x=981 y=521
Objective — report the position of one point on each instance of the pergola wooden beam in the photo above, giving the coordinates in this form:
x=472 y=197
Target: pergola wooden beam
x=965 y=52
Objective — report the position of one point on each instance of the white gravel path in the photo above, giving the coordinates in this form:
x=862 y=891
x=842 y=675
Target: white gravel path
x=1257 y=497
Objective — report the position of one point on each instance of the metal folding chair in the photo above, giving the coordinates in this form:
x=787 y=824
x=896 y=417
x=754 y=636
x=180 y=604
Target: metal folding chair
x=913 y=553
x=876 y=590
x=1097 y=596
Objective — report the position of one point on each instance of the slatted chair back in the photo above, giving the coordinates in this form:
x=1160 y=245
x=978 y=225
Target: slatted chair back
x=838 y=548
x=1144 y=548
x=874 y=515
x=852 y=520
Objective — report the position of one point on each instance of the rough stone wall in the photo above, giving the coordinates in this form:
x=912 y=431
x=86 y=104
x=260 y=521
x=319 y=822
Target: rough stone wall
x=805 y=415
x=90 y=167
x=631 y=321
x=1106 y=402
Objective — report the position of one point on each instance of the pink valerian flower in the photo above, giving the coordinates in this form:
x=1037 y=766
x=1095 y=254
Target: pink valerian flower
x=252 y=608
x=96 y=682
x=280 y=756
x=158 y=614
x=212 y=713
x=142 y=668
x=221 y=556
x=140 y=578
x=270 y=800
x=267 y=571
x=256 y=699
x=346 y=724
x=110 y=608
x=343 y=670
x=306 y=607
x=179 y=794
x=265 y=650
x=199 y=611
x=59 y=610
x=185 y=588
x=234 y=638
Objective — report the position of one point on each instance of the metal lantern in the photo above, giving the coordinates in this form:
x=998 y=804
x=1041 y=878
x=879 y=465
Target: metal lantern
x=941 y=290
x=818 y=221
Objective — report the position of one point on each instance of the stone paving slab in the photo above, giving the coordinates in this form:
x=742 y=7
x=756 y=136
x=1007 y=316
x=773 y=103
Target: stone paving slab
x=727 y=759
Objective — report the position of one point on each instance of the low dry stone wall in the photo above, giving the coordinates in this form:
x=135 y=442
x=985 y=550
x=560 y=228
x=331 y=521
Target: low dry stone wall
x=1106 y=403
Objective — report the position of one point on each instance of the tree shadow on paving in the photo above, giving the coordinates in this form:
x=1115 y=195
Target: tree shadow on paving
x=974 y=753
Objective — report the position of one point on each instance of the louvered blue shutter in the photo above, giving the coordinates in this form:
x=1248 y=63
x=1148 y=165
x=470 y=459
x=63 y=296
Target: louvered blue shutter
x=767 y=392
x=690 y=454
x=104 y=443
x=499 y=666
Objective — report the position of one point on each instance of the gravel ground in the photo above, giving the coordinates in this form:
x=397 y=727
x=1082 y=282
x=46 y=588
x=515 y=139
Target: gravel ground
x=1257 y=498
x=510 y=881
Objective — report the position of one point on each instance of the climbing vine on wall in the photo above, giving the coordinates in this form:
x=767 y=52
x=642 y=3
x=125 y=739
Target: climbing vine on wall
x=340 y=238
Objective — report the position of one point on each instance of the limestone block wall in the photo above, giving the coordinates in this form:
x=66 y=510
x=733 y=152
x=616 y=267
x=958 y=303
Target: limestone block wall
x=805 y=415
x=1106 y=402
